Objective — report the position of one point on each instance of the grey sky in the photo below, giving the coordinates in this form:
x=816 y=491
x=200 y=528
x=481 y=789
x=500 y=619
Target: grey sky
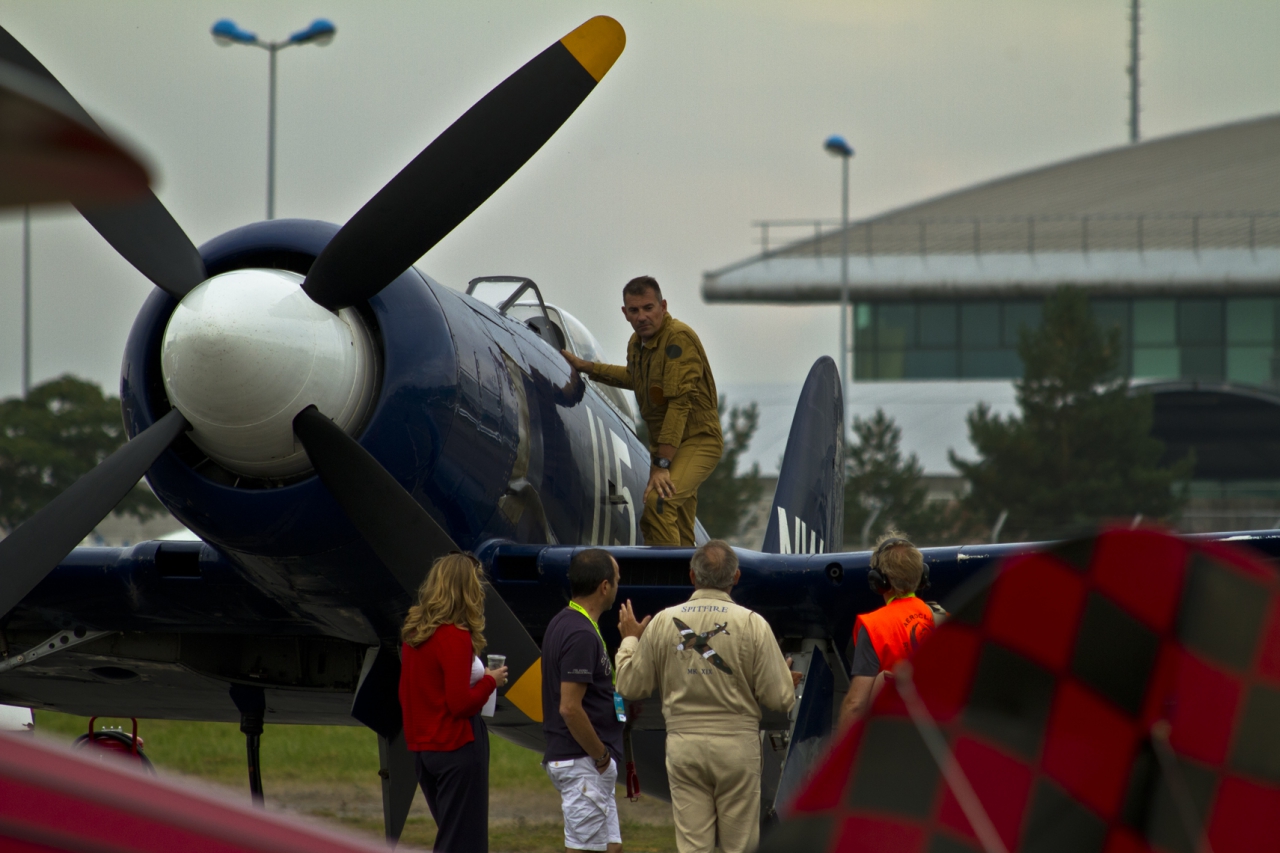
x=713 y=116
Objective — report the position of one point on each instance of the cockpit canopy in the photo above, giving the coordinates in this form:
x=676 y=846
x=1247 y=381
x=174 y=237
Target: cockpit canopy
x=581 y=343
x=509 y=294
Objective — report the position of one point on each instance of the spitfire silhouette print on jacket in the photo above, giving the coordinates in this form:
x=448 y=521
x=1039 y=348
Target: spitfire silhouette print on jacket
x=700 y=643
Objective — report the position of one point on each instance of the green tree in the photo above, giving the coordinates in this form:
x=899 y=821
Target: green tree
x=1082 y=449
x=883 y=488
x=63 y=429
x=726 y=496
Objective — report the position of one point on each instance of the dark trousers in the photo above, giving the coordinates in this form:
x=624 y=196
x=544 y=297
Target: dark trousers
x=456 y=785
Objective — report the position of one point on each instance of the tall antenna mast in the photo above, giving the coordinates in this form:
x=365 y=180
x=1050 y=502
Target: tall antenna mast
x=1134 y=14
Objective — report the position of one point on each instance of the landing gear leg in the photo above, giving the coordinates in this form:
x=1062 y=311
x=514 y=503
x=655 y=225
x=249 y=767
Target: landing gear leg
x=251 y=725
x=252 y=704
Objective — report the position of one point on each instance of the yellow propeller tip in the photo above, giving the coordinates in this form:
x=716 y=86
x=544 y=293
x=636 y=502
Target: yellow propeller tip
x=596 y=45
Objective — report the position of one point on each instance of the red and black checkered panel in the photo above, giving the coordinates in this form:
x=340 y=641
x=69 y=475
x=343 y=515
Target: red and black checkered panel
x=1047 y=682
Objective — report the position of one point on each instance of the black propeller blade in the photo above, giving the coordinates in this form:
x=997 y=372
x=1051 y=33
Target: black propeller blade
x=47 y=155
x=462 y=167
x=143 y=232
x=403 y=535
x=37 y=546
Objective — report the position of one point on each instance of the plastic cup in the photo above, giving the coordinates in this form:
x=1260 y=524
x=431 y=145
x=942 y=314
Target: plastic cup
x=497 y=661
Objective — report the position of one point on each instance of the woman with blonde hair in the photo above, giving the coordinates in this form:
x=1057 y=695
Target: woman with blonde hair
x=443 y=687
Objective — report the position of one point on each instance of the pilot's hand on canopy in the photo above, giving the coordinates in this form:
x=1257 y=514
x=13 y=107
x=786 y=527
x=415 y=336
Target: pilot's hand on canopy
x=576 y=363
x=627 y=624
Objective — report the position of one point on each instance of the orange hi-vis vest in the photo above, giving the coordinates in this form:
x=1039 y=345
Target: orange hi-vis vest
x=897 y=629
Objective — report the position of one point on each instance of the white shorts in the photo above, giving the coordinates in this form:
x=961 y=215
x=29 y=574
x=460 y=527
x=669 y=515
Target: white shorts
x=588 y=801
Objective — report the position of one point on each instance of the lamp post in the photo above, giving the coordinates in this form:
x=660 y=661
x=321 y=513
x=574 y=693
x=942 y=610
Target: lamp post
x=226 y=33
x=26 y=301
x=837 y=147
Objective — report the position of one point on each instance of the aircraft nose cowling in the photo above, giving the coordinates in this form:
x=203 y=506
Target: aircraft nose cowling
x=246 y=350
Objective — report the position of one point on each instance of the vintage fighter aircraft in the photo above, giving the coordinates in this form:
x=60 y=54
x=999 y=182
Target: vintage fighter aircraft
x=328 y=419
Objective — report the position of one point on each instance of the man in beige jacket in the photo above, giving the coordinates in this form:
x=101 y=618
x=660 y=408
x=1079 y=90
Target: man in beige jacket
x=714 y=663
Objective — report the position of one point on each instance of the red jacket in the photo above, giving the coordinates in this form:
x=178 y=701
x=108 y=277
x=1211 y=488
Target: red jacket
x=435 y=698
x=897 y=629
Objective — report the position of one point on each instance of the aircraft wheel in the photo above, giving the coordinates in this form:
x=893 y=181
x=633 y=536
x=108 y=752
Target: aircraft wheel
x=114 y=741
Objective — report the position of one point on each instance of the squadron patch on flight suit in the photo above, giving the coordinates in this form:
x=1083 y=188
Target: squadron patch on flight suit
x=674 y=351
x=698 y=643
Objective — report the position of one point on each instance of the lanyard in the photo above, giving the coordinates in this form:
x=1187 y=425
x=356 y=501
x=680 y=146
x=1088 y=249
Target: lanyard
x=573 y=605
x=890 y=601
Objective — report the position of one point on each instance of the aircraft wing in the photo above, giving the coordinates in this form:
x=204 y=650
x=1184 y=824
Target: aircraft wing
x=158 y=629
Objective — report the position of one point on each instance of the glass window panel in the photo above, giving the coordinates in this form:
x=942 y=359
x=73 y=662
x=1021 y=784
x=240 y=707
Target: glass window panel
x=1156 y=362
x=1112 y=314
x=889 y=364
x=1199 y=322
x=1020 y=315
x=862 y=316
x=864 y=364
x=938 y=324
x=980 y=325
x=1202 y=362
x=895 y=325
x=990 y=364
x=1251 y=321
x=1153 y=323
x=931 y=364
x=1249 y=364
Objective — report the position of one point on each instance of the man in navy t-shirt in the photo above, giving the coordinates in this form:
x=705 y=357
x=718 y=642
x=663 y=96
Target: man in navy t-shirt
x=582 y=729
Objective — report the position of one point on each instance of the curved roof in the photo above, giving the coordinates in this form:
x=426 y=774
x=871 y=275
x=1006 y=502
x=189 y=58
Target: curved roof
x=1218 y=172
x=1230 y=167
x=1181 y=213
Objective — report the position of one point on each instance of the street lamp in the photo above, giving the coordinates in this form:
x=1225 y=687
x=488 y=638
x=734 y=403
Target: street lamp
x=837 y=147
x=226 y=33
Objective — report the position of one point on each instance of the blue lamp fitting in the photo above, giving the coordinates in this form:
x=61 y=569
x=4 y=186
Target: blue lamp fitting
x=321 y=32
x=225 y=32
x=836 y=145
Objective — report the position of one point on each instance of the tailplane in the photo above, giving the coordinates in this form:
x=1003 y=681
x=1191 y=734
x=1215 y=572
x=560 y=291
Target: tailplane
x=808 y=508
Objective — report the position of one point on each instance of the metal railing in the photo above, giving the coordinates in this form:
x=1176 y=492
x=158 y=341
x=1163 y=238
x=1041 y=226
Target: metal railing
x=1022 y=234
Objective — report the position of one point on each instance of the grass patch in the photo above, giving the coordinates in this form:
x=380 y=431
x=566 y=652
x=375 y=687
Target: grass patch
x=344 y=755
x=215 y=751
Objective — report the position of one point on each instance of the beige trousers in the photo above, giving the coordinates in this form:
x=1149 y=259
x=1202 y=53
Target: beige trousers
x=715 y=784
x=669 y=521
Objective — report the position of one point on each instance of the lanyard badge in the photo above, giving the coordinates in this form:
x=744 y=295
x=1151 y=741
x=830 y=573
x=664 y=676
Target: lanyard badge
x=619 y=704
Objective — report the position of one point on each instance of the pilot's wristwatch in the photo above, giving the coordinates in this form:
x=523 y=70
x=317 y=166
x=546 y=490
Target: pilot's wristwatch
x=662 y=462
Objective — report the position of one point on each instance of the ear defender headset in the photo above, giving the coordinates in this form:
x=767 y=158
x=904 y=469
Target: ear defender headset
x=876 y=578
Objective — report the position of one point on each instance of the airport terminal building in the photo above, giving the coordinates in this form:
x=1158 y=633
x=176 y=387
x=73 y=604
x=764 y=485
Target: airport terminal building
x=1175 y=240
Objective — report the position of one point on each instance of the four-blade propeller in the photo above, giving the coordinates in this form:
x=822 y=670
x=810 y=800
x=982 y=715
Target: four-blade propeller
x=453 y=176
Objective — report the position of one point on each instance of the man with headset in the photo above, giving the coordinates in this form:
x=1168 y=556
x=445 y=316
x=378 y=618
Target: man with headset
x=892 y=633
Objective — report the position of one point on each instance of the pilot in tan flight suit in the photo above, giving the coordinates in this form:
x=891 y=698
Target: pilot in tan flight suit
x=668 y=371
x=715 y=663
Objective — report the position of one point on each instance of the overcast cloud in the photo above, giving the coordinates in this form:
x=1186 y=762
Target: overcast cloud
x=713 y=116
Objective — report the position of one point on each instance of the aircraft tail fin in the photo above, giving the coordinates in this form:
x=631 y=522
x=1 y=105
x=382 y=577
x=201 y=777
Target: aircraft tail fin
x=808 y=508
